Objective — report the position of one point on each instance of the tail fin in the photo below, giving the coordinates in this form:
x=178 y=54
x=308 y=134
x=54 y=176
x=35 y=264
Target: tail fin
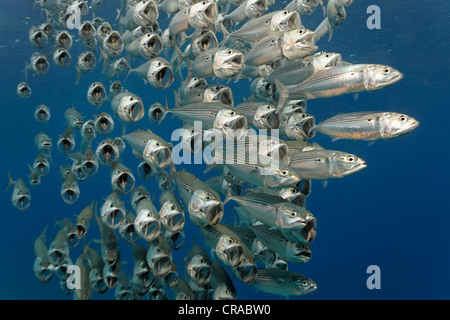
x=78 y=75
x=10 y=182
x=283 y=95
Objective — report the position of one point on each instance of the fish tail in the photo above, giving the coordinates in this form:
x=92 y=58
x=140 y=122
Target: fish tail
x=118 y=14
x=166 y=111
x=226 y=34
x=10 y=181
x=229 y=196
x=128 y=74
x=283 y=95
x=78 y=75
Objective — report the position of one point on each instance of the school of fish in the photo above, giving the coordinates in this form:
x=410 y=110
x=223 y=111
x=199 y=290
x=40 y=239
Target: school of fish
x=268 y=180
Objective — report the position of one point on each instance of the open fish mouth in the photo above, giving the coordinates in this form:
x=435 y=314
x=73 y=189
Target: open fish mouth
x=145 y=171
x=81 y=231
x=25 y=90
x=247 y=272
x=171 y=279
x=108 y=154
x=256 y=9
x=39 y=38
x=159 y=156
x=162 y=265
x=290 y=20
x=89 y=60
x=213 y=212
x=164 y=77
x=114 y=217
x=156 y=113
x=66 y=145
x=148 y=229
x=64 y=40
x=149 y=13
x=124 y=182
x=235 y=61
x=111 y=280
x=202 y=274
x=234 y=255
x=176 y=239
x=308 y=232
x=129 y=233
x=133 y=110
x=114 y=41
x=42 y=64
x=23 y=202
x=70 y=195
x=104 y=124
x=44 y=274
x=153 y=46
x=87 y=30
x=64 y=59
x=225 y=96
x=98 y=93
x=174 y=221
x=303 y=256
x=57 y=257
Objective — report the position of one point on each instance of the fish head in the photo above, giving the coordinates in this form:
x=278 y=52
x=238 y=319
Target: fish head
x=171 y=217
x=306 y=7
x=379 y=76
x=64 y=39
x=291 y=217
x=116 y=86
x=38 y=38
x=147 y=225
x=21 y=198
x=227 y=63
x=96 y=93
x=164 y=182
x=58 y=252
x=205 y=41
x=174 y=239
x=145 y=171
x=219 y=93
x=131 y=108
x=191 y=139
x=157 y=154
x=266 y=117
x=246 y=271
x=289 y=193
x=274 y=149
x=40 y=64
x=300 y=251
x=23 y=90
x=255 y=8
x=276 y=176
x=145 y=12
x=88 y=130
x=66 y=144
x=113 y=43
x=229 y=250
x=128 y=231
x=224 y=292
x=43 y=269
x=285 y=20
x=150 y=45
x=345 y=164
x=199 y=270
x=70 y=192
x=304 y=285
x=122 y=180
x=82 y=227
x=155 y=112
x=299 y=43
x=112 y=213
x=231 y=123
x=264 y=88
x=300 y=126
x=87 y=60
x=109 y=255
x=89 y=166
x=61 y=57
x=159 y=260
x=203 y=14
x=206 y=206
x=395 y=124
x=323 y=60
x=110 y=275
x=160 y=74
x=87 y=30
x=137 y=195
x=107 y=152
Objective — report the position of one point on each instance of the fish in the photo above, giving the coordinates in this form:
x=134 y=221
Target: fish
x=89 y=162
x=147 y=222
x=224 y=288
x=160 y=74
x=109 y=242
x=23 y=90
x=66 y=141
x=107 y=152
x=59 y=248
x=96 y=94
x=112 y=211
x=37 y=37
x=325 y=164
x=339 y=80
x=367 y=125
x=38 y=65
x=42 y=163
x=63 y=39
x=122 y=179
x=116 y=68
x=148 y=46
x=96 y=265
x=84 y=218
x=70 y=191
x=297 y=252
x=123 y=289
x=304 y=7
x=61 y=58
x=260 y=115
x=159 y=256
x=111 y=46
x=86 y=63
x=34 y=177
x=43 y=142
x=128 y=107
x=127 y=230
x=71 y=231
x=88 y=132
x=155 y=112
x=282 y=282
x=182 y=291
x=299 y=126
x=103 y=123
x=73 y=118
x=150 y=147
x=42 y=267
x=198 y=265
x=171 y=213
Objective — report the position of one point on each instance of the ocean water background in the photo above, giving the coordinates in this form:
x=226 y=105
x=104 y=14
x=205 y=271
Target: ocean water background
x=393 y=214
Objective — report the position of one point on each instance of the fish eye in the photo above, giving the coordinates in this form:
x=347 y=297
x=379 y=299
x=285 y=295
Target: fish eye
x=233 y=113
x=327 y=55
x=300 y=31
x=284 y=172
x=386 y=71
x=351 y=159
x=293 y=214
x=285 y=12
x=229 y=51
x=403 y=118
x=370 y=119
x=304 y=283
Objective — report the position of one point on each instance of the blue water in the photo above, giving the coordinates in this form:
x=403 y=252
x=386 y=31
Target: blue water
x=393 y=214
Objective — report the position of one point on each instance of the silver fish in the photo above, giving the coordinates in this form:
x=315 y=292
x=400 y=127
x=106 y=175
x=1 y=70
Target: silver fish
x=21 y=196
x=148 y=45
x=147 y=222
x=37 y=37
x=86 y=63
x=42 y=267
x=109 y=242
x=155 y=112
x=103 y=123
x=66 y=141
x=43 y=142
x=23 y=90
x=283 y=282
x=96 y=94
x=61 y=57
x=128 y=107
x=87 y=131
x=159 y=256
x=59 y=248
x=42 y=163
x=127 y=230
x=70 y=191
x=38 y=65
x=73 y=118
x=160 y=74
x=221 y=282
x=63 y=39
x=107 y=152
x=122 y=179
x=42 y=113
x=112 y=211
x=34 y=176
x=367 y=125
x=84 y=218
x=198 y=265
